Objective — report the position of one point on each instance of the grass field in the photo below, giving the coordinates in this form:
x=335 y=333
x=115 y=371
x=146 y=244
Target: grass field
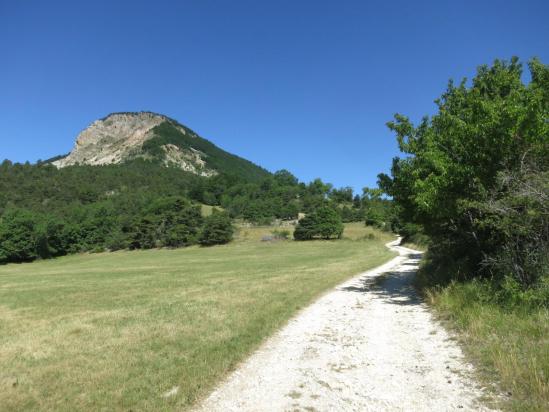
x=116 y=331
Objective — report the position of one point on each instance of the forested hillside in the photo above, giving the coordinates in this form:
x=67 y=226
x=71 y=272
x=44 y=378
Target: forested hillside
x=48 y=212
x=126 y=136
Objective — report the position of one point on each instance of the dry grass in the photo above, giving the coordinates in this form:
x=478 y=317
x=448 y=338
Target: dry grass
x=509 y=346
x=120 y=331
x=353 y=231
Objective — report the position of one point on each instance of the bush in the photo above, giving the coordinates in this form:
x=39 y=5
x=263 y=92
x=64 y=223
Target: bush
x=324 y=223
x=515 y=221
x=171 y=222
x=218 y=229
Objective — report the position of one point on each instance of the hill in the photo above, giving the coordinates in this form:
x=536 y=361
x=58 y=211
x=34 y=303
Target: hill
x=138 y=181
x=122 y=137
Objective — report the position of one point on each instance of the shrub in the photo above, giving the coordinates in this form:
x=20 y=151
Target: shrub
x=171 y=221
x=324 y=223
x=218 y=229
x=515 y=221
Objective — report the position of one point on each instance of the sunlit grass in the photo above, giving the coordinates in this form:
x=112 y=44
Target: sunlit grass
x=510 y=347
x=116 y=331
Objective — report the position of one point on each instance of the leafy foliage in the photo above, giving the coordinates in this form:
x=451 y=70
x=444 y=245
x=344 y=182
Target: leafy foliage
x=18 y=236
x=171 y=222
x=218 y=229
x=464 y=174
x=140 y=204
x=324 y=222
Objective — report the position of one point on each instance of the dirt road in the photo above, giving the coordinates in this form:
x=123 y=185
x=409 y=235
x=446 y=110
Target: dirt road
x=369 y=345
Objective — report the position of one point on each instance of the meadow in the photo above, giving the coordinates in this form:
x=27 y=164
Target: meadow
x=157 y=329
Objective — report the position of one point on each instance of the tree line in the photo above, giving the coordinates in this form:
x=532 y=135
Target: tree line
x=47 y=212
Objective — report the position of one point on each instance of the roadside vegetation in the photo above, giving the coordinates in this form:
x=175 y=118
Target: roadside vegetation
x=156 y=329
x=507 y=343
x=474 y=187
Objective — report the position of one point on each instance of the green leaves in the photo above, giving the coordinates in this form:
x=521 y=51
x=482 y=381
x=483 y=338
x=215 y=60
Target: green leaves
x=171 y=221
x=497 y=124
x=18 y=236
x=217 y=230
x=325 y=223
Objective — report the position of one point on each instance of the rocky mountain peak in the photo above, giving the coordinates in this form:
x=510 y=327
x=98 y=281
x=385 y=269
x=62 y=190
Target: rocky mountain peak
x=120 y=136
x=112 y=139
x=125 y=136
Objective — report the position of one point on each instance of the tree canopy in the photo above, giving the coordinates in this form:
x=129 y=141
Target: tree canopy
x=459 y=164
x=323 y=223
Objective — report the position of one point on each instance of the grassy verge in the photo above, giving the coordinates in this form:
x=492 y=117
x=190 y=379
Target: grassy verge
x=117 y=331
x=509 y=346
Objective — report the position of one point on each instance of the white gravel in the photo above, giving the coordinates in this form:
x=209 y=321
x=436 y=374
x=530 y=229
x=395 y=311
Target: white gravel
x=369 y=345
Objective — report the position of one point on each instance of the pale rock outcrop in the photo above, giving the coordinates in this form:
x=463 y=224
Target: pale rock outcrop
x=120 y=136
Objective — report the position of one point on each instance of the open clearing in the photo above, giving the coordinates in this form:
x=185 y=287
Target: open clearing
x=370 y=345
x=156 y=329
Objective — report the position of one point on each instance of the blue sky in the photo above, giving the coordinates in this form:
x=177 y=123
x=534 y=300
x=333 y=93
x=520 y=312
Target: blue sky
x=302 y=85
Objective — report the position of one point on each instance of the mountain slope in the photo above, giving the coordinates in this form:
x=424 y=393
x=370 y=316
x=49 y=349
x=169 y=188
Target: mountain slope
x=120 y=137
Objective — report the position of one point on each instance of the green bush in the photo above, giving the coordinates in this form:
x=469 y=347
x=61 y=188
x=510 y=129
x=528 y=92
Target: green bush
x=515 y=220
x=323 y=223
x=171 y=222
x=218 y=229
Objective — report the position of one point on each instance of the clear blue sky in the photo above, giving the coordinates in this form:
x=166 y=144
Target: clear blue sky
x=302 y=85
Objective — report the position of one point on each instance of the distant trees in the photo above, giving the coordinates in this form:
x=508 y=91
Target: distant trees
x=343 y=195
x=323 y=223
x=378 y=212
x=140 y=204
x=171 y=222
x=25 y=236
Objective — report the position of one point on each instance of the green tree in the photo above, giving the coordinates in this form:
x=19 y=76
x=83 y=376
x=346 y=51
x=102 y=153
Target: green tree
x=18 y=236
x=170 y=221
x=455 y=157
x=342 y=195
x=325 y=223
x=285 y=178
x=50 y=238
x=218 y=229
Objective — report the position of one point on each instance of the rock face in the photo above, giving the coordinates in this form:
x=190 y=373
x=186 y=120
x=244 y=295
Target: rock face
x=120 y=137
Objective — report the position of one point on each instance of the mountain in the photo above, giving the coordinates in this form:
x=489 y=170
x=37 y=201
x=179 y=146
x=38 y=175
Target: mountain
x=121 y=137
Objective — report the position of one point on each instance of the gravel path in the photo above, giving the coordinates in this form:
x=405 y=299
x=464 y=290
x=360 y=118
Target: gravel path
x=369 y=345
